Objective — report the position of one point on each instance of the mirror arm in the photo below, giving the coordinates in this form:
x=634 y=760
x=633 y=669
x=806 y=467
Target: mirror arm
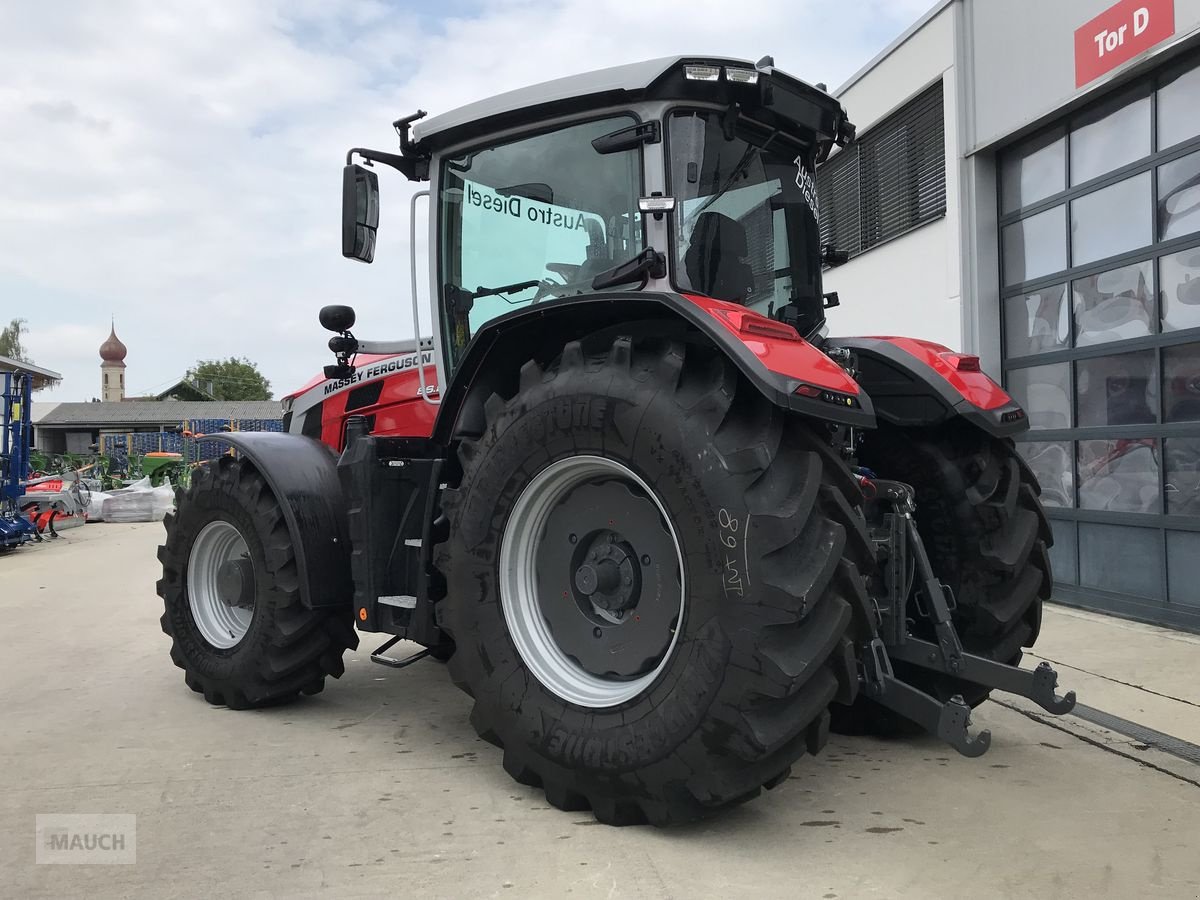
x=414 y=168
x=388 y=348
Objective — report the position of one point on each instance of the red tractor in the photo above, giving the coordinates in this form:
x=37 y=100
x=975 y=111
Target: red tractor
x=665 y=531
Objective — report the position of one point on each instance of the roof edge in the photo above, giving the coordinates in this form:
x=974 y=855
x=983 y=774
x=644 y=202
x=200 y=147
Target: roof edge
x=7 y=363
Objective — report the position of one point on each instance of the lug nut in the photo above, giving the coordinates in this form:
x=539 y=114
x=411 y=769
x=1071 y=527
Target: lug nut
x=573 y=538
x=645 y=560
x=596 y=632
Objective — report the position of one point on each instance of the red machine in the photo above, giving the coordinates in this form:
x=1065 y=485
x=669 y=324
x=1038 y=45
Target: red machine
x=665 y=531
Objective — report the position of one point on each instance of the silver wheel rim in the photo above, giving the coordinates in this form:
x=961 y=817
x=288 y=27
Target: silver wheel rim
x=220 y=623
x=527 y=626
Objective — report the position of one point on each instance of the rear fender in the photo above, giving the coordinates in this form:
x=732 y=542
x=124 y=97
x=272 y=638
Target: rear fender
x=302 y=474
x=918 y=383
x=777 y=366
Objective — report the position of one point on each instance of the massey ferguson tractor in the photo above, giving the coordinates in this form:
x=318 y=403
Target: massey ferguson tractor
x=665 y=531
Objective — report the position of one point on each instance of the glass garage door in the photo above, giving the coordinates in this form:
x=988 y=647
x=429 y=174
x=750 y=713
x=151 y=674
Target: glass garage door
x=1100 y=272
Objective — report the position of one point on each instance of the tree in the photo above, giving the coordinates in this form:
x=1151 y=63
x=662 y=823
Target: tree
x=231 y=379
x=10 y=341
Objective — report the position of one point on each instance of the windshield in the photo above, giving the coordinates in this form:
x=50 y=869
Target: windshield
x=745 y=216
x=534 y=219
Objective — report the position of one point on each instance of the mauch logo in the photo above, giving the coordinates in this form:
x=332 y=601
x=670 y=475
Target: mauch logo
x=86 y=839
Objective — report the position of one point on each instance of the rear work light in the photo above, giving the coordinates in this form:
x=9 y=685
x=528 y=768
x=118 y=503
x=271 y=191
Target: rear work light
x=827 y=396
x=741 y=76
x=656 y=204
x=701 y=73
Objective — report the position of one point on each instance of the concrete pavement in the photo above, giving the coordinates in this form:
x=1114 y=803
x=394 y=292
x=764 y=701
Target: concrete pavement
x=380 y=787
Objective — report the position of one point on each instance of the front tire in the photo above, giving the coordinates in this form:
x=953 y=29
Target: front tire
x=231 y=593
x=649 y=456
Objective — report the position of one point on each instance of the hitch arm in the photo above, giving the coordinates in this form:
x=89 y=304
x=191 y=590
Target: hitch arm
x=947 y=720
x=1039 y=685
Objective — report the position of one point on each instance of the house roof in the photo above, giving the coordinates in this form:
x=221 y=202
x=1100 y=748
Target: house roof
x=156 y=412
x=39 y=409
x=41 y=377
x=185 y=388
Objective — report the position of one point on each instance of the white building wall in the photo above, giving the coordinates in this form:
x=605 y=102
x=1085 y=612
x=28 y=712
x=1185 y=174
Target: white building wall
x=900 y=287
x=1023 y=56
x=910 y=285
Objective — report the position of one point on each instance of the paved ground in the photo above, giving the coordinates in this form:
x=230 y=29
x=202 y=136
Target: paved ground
x=379 y=786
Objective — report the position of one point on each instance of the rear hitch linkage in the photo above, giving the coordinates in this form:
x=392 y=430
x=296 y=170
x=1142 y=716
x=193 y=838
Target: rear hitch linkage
x=951 y=719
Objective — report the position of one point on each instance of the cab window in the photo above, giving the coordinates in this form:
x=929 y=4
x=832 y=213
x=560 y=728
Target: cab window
x=532 y=220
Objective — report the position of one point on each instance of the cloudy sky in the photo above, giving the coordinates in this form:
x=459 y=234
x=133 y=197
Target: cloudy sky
x=177 y=165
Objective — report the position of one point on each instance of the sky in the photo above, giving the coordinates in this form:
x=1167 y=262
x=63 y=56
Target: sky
x=176 y=166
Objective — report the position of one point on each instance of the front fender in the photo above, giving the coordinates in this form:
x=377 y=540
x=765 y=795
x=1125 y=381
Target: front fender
x=302 y=474
x=920 y=383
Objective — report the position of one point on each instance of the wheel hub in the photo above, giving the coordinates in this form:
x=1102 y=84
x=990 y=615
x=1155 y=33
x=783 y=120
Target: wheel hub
x=591 y=581
x=235 y=583
x=609 y=577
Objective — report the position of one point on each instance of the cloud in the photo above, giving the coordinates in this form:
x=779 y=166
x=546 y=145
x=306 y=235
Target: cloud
x=177 y=165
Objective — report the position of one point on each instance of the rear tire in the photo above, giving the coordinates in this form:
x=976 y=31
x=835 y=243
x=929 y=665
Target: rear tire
x=766 y=530
x=270 y=648
x=987 y=538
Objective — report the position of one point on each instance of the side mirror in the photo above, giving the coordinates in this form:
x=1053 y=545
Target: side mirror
x=360 y=212
x=337 y=318
x=832 y=257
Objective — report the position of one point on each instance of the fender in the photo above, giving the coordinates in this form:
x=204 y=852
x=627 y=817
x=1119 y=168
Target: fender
x=917 y=383
x=769 y=354
x=302 y=474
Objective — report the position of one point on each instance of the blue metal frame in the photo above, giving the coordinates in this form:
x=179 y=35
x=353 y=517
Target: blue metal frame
x=15 y=440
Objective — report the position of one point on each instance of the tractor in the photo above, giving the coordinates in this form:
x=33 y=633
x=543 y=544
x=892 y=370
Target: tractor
x=663 y=529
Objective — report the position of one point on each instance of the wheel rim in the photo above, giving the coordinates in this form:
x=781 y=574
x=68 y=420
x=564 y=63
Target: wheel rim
x=220 y=584
x=591 y=581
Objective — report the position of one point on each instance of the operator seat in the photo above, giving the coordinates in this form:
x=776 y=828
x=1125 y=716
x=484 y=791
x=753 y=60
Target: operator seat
x=715 y=259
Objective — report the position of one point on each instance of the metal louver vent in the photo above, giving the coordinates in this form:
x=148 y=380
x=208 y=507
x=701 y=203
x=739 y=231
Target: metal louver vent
x=890 y=180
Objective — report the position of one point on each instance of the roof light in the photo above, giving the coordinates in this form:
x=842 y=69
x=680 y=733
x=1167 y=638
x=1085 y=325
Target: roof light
x=656 y=204
x=701 y=73
x=741 y=76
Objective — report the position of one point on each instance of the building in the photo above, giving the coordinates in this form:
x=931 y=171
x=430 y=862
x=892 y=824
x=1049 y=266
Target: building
x=142 y=424
x=1026 y=186
x=78 y=427
x=112 y=368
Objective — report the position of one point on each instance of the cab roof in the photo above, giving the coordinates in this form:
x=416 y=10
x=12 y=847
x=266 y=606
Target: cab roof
x=650 y=79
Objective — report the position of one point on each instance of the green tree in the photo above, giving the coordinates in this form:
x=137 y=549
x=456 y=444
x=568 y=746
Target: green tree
x=230 y=379
x=10 y=341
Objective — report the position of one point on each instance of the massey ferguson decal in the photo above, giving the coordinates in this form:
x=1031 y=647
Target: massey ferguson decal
x=367 y=372
x=378 y=370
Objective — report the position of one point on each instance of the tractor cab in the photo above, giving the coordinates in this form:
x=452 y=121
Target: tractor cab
x=677 y=176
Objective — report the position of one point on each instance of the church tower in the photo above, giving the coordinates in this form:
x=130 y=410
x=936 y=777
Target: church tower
x=112 y=367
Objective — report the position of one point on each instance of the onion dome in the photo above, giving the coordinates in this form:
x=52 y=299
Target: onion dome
x=112 y=350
